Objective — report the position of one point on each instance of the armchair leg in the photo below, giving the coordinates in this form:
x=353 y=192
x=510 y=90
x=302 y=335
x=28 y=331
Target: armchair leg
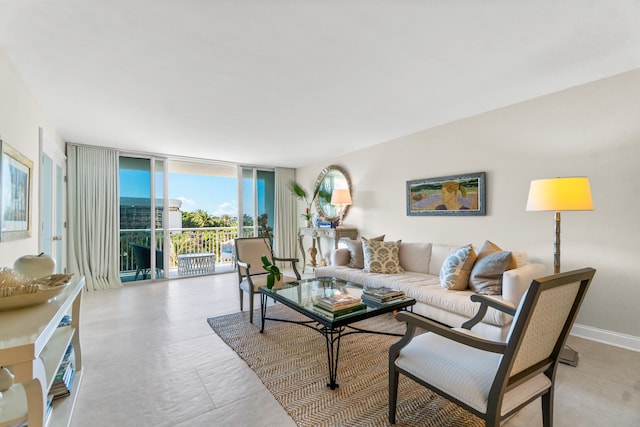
x=241 y=298
x=547 y=408
x=393 y=391
x=251 y=307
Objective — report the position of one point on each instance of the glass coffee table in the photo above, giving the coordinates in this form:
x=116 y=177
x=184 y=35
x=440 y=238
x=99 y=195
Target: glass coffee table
x=301 y=296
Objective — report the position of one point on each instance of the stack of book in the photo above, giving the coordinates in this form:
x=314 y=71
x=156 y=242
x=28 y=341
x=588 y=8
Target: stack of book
x=380 y=296
x=338 y=305
x=61 y=386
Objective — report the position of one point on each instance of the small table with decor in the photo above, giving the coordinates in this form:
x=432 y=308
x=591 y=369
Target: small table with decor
x=303 y=295
x=199 y=263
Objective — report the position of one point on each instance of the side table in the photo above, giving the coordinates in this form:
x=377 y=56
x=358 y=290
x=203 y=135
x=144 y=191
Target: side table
x=199 y=263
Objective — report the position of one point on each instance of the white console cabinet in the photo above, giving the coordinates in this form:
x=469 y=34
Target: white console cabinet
x=32 y=346
x=316 y=234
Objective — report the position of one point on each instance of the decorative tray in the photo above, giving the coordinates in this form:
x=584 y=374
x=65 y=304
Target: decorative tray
x=18 y=292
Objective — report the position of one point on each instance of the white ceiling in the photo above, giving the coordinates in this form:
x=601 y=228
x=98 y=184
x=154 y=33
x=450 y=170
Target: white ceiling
x=289 y=82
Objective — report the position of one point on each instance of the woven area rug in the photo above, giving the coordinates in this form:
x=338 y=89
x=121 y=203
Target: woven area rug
x=291 y=361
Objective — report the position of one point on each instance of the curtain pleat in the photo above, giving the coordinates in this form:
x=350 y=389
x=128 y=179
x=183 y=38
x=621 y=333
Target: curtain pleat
x=93 y=213
x=286 y=225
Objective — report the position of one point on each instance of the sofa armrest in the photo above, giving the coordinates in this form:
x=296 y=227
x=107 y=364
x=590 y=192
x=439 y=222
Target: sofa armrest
x=340 y=256
x=516 y=281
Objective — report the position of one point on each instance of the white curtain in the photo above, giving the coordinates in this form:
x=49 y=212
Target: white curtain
x=93 y=214
x=286 y=224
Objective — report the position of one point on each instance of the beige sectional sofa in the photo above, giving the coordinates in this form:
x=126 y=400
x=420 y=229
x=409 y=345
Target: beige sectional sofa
x=422 y=264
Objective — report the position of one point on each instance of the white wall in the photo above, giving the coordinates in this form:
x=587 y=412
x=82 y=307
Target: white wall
x=591 y=130
x=20 y=120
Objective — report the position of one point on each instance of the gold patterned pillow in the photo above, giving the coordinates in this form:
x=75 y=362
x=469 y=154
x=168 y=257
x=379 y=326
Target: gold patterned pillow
x=381 y=257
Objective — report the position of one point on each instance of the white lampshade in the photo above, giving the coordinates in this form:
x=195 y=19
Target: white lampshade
x=560 y=194
x=341 y=197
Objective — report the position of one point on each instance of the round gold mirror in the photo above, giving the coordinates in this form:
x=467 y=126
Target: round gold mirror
x=330 y=178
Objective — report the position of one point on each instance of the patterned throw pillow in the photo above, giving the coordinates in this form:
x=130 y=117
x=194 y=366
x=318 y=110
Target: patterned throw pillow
x=454 y=274
x=486 y=275
x=356 y=256
x=381 y=257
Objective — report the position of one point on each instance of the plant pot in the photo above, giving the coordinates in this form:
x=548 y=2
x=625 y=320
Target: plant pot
x=307 y=223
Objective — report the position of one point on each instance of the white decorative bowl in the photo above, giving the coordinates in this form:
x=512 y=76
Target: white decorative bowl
x=49 y=287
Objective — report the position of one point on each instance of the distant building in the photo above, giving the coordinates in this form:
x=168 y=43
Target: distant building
x=135 y=213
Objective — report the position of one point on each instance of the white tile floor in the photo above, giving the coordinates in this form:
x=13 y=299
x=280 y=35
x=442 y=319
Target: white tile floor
x=151 y=359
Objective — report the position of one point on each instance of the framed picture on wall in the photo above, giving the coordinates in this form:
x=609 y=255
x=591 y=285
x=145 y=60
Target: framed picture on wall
x=15 y=180
x=447 y=195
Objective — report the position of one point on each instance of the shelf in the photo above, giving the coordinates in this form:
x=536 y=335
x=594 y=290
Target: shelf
x=54 y=352
x=33 y=346
x=63 y=408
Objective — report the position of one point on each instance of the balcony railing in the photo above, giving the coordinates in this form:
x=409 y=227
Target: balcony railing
x=213 y=240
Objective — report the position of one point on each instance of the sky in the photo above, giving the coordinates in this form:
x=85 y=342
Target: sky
x=216 y=195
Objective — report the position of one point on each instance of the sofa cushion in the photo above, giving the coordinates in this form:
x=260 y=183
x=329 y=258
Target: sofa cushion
x=381 y=257
x=439 y=254
x=486 y=275
x=454 y=274
x=356 y=259
x=415 y=257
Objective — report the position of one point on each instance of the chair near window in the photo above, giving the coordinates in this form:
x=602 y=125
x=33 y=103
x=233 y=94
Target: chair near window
x=251 y=275
x=494 y=380
x=142 y=258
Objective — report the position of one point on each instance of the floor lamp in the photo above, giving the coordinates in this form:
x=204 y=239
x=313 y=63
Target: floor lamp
x=560 y=194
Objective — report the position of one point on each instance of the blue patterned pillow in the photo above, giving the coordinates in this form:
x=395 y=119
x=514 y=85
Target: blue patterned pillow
x=454 y=274
x=382 y=257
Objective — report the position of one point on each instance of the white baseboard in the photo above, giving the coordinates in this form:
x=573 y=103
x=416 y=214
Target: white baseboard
x=617 y=339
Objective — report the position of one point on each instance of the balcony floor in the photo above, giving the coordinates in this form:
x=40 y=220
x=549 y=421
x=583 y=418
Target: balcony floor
x=221 y=268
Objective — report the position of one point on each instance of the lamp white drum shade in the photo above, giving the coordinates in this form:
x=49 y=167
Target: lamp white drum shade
x=560 y=194
x=341 y=197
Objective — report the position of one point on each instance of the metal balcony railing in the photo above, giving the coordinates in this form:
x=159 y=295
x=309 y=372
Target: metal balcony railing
x=213 y=240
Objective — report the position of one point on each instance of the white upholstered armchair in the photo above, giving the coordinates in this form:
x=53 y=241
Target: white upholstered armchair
x=494 y=380
x=251 y=275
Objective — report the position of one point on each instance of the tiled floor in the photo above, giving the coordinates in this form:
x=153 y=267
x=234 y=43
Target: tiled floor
x=151 y=359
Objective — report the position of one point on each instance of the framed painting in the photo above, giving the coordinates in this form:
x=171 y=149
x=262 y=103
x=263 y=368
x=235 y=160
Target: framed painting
x=447 y=195
x=15 y=180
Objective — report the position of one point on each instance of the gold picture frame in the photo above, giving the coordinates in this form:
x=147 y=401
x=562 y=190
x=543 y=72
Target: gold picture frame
x=16 y=183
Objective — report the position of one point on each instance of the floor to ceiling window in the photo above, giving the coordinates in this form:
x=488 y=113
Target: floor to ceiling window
x=142 y=240
x=258 y=201
x=195 y=217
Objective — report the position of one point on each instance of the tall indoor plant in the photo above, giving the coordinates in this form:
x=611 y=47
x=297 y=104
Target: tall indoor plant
x=301 y=193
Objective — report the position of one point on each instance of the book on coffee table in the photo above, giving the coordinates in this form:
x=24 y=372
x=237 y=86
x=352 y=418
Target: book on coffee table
x=338 y=313
x=381 y=295
x=338 y=302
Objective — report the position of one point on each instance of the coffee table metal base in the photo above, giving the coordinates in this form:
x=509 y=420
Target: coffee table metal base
x=332 y=336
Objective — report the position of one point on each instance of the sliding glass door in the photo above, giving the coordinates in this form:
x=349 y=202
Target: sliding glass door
x=203 y=226
x=142 y=219
x=179 y=218
x=258 y=201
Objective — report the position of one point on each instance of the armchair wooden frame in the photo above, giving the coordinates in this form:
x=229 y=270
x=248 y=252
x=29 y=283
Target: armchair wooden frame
x=517 y=366
x=251 y=275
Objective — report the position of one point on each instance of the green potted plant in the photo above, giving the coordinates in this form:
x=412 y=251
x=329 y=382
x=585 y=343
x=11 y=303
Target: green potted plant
x=300 y=192
x=273 y=275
